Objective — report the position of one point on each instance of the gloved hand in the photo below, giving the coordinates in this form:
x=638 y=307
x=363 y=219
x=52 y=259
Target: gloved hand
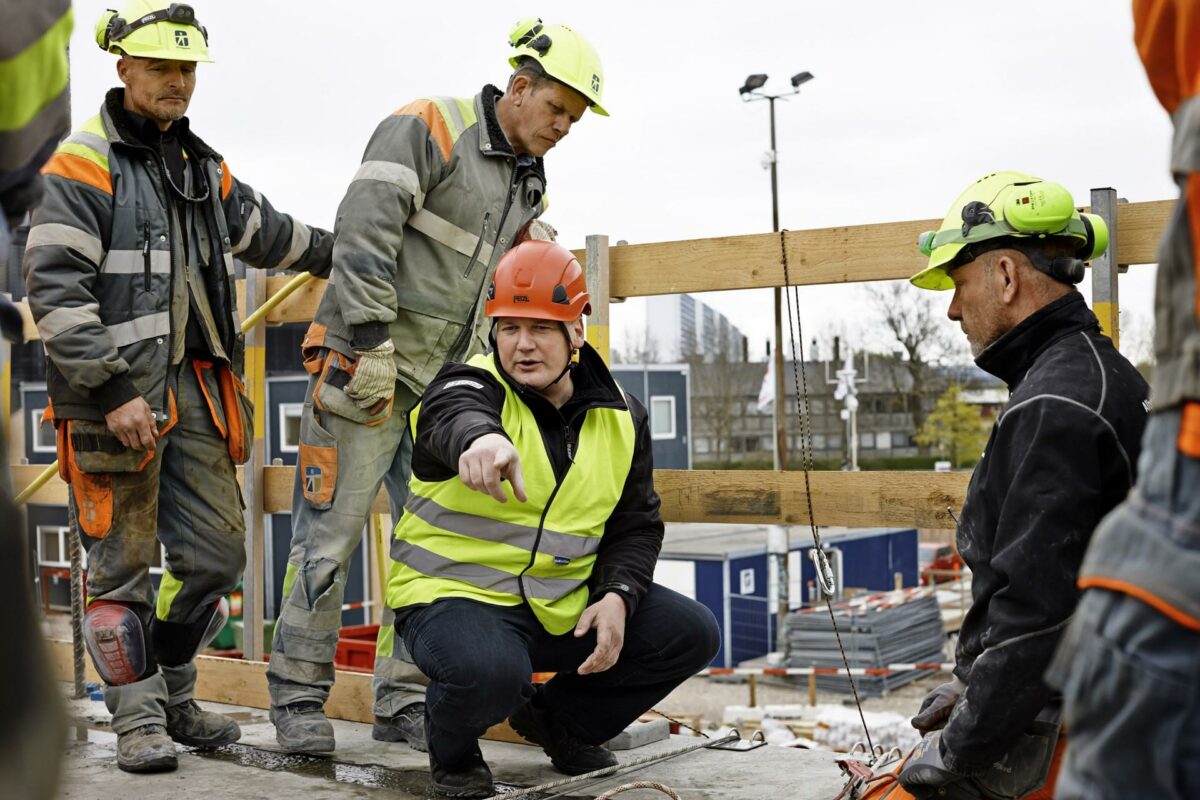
x=924 y=772
x=937 y=705
x=374 y=380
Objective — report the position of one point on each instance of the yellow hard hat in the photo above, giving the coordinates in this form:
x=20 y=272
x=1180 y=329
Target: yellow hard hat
x=148 y=29
x=1014 y=207
x=563 y=54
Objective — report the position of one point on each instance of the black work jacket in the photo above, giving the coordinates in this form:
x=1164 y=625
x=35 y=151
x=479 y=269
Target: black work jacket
x=1061 y=456
x=463 y=403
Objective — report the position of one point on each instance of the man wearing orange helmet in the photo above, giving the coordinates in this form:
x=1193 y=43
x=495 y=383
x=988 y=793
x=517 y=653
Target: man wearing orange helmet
x=529 y=541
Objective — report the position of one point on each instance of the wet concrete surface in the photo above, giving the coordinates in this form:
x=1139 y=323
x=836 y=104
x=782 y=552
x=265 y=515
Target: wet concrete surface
x=370 y=770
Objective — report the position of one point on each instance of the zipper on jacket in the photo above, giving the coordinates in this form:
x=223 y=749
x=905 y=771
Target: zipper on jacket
x=537 y=541
x=487 y=215
x=146 y=255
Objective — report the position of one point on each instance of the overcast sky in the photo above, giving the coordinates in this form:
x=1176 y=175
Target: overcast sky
x=910 y=103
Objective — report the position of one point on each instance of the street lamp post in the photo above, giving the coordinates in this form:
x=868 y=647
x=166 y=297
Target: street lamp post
x=752 y=90
x=777 y=541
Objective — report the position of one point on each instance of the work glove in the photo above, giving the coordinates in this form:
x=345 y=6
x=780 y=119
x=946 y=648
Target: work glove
x=925 y=773
x=374 y=380
x=937 y=705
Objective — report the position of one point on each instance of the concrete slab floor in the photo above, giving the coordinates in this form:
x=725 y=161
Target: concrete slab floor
x=363 y=768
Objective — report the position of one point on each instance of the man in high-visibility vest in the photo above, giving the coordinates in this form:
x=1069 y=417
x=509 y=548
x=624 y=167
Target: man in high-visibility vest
x=529 y=540
x=129 y=269
x=1129 y=664
x=446 y=186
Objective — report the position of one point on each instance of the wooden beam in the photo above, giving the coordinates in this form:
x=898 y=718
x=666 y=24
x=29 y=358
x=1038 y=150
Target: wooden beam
x=244 y=683
x=851 y=499
x=847 y=254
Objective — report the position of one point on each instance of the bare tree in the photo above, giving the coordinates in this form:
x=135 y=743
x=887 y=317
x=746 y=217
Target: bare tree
x=720 y=386
x=639 y=348
x=920 y=340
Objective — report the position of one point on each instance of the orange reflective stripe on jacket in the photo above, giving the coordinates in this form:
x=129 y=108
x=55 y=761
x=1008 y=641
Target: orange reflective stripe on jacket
x=77 y=168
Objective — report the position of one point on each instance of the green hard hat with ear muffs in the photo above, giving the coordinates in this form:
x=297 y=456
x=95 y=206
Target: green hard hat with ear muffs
x=1011 y=209
x=563 y=54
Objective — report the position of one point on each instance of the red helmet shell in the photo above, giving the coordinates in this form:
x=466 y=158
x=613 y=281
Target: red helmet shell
x=538 y=280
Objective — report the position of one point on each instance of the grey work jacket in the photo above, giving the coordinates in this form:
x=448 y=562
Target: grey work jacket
x=439 y=197
x=103 y=256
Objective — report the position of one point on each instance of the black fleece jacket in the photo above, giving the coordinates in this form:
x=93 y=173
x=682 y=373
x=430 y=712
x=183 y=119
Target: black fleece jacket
x=463 y=403
x=1060 y=457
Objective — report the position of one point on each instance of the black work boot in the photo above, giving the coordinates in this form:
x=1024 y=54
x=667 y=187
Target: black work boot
x=302 y=728
x=407 y=726
x=146 y=749
x=470 y=778
x=568 y=754
x=187 y=723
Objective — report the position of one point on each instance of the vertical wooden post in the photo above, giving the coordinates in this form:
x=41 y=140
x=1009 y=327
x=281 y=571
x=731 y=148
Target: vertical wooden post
x=812 y=688
x=1105 y=268
x=256 y=385
x=753 y=684
x=597 y=280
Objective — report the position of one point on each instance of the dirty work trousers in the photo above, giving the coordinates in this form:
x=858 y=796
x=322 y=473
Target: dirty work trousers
x=188 y=494
x=343 y=461
x=480 y=659
x=1130 y=675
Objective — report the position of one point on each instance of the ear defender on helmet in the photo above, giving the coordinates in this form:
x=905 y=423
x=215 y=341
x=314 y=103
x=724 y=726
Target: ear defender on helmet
x=1097 y=237
x=109 y=22
x=524 y=31
x=1041 y=207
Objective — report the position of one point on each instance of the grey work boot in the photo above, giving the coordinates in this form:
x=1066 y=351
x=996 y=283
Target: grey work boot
x=146 y=749
x=406 y=726
x=187 y=723
x=302 y=728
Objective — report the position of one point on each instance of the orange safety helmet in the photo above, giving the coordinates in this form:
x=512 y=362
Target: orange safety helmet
x=538 y=280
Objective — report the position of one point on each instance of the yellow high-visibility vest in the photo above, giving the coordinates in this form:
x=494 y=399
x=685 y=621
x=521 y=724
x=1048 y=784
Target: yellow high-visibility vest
x=455 y=542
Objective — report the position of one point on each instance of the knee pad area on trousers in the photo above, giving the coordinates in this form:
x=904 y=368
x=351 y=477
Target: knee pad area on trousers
x=177 y=643
x=116 y=639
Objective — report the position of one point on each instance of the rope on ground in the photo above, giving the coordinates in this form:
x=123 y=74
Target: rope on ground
x=667 y=790
x=598 y=775
x=252 y=320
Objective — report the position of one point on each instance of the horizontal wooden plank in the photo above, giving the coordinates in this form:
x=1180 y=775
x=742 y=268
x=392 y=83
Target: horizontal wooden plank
x=244 y=683
x=850 y=499
x=846 y=254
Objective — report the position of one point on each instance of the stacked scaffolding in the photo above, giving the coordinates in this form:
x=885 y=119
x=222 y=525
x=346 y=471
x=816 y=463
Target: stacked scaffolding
x=883 y=629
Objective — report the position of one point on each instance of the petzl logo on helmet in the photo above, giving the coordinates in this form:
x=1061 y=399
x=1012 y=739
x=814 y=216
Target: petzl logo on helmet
x=181 y=39
x=312 y=479
x=596 y=83
x=520 y=298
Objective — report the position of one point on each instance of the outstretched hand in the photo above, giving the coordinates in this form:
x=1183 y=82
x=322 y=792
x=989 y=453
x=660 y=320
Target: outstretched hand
x=490 y=460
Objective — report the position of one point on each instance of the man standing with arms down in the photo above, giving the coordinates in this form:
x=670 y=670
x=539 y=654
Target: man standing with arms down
x=1129 y=665
x=129 y=272
x=1060 y=456
x=446 y=186
x=529 y=541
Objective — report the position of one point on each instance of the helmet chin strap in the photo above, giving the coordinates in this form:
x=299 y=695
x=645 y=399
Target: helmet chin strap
x=570 y=360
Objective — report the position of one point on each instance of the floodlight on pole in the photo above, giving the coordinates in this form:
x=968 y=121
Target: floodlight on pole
x=801 y=77
x=755 y=81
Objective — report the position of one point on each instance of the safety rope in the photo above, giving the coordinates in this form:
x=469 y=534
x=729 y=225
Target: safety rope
x=76 y=556
x=667 y=790
x=680 y=723
x=600 y=775
x=258 y=316
x=794 y=327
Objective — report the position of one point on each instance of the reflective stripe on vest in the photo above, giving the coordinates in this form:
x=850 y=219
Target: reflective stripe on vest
x=454 y=542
